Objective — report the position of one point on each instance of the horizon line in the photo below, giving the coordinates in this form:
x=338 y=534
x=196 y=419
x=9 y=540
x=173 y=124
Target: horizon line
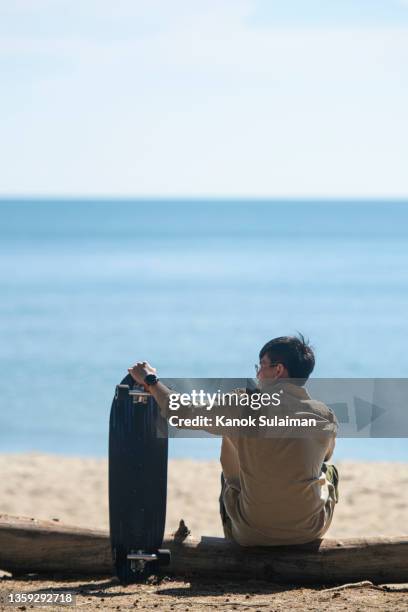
x=202 y=198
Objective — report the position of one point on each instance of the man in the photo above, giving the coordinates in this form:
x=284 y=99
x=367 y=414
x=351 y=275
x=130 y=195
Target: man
x=275 y=490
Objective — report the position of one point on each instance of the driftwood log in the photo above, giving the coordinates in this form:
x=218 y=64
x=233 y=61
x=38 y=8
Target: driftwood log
x=30 y=545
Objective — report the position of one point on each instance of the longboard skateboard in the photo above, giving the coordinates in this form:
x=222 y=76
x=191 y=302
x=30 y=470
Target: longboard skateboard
x=138 y=449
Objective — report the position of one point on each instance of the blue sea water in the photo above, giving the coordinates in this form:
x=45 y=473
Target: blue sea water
x=196 y=288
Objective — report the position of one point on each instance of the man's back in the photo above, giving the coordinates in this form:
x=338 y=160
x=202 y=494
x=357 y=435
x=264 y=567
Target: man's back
x=276 y=492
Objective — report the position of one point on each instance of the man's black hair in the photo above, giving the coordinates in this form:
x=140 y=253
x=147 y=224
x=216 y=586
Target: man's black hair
x=294 y=353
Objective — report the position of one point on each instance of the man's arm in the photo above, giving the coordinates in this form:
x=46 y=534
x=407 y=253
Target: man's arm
x=159 y=391
x=162 y=393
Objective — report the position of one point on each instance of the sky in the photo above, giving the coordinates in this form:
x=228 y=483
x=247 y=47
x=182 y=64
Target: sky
x=224 y=98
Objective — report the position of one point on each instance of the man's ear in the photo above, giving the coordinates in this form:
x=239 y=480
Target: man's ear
x=281 y=371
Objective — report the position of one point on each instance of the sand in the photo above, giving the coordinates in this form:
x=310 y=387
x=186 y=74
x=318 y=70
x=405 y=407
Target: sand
x=373 y=496
x=373 y=502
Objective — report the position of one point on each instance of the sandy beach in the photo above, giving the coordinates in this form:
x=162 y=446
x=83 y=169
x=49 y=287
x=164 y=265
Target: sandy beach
x=373 y=502
x=373 y=496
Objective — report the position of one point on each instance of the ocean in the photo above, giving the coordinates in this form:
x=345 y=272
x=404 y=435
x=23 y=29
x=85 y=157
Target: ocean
x=196 y=288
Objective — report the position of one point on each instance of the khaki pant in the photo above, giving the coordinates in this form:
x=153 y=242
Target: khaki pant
x=332 y=475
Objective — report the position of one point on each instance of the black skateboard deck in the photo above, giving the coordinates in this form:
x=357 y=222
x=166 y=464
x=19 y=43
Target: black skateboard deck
x=138 y=449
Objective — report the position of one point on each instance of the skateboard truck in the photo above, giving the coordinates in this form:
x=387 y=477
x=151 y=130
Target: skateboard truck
x=139 y=397
x=139 y=559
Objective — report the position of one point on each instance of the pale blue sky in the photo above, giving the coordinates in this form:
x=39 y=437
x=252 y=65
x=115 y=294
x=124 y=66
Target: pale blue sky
x=213 y=97
x=333 y=13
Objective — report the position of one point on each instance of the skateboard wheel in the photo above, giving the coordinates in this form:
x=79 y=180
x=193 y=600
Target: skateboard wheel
x=121 y=391
x=163 y=556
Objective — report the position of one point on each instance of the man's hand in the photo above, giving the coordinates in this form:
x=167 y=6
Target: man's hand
x=139 y=371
